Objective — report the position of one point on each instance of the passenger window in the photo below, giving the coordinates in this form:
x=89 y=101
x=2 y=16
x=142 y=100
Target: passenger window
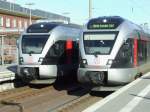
x=127 y=51
x=57 y=49
x=142 y=51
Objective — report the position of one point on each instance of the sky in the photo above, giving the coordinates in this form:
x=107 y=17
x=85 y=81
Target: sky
x=135 y=10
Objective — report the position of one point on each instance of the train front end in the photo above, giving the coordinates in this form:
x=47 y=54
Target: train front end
x=102 y=48
x=33 y=47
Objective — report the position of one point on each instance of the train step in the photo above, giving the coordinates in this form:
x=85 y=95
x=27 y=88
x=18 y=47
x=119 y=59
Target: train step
x=106 y=88
x=48 y=81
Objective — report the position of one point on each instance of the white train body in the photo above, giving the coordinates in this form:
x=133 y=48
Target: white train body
x=47 y=50
x=113 y=51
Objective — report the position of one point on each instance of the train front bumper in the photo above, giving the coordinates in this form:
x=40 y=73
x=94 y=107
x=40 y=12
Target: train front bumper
x=37 y=71
x=111 y=76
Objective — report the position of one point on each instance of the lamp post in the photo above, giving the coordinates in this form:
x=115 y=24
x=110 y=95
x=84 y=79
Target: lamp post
x=90 y=9
x=65 y=14
x=29 y=5
x=11 y=6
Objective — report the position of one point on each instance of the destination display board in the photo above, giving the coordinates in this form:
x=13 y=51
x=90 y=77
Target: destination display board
x=104 y=23
x=102 y=26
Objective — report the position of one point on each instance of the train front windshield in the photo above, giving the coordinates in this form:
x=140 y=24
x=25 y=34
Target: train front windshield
x=33 y=44
x=99 y=43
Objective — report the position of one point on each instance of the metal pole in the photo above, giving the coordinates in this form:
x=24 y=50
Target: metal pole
x=90 y=9
x=30 y=17
x=29 y=4
x=65 y=14
x=10 y=5
x=2 y=50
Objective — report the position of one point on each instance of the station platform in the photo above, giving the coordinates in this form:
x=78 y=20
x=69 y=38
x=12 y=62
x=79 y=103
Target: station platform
x=134 y=97
x=7 y=72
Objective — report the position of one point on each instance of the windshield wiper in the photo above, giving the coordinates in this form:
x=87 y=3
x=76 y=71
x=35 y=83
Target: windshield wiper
x=31 y=52
x=96 y=53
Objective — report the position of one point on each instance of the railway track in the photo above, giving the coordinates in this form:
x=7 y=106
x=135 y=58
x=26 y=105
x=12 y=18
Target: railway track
x=78 y=104
x=83 y=102
x=46 y=99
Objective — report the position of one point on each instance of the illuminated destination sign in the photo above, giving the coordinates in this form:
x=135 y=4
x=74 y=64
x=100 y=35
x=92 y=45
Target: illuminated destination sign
x=111 y=22
x=101 y=26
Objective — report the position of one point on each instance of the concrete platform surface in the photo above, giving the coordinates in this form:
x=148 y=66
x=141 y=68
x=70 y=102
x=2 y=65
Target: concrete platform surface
x=7 y=72
x=134 y=97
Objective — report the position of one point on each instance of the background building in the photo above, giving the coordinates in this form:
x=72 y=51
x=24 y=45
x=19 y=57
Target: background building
x=14 y=19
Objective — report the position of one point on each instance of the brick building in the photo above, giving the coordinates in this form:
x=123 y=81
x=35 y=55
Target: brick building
x=14 y=19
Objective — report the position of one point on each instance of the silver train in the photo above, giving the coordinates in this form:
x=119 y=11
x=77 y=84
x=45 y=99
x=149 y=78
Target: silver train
x=48 y=50
x=113 y=52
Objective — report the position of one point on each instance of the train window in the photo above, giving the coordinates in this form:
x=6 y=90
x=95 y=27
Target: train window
x=33 y=44
x=75 y=54
x=41 y=27
x=55 y=54
x=124 y=57
x=139 y=51
x=104 y=23
x=126 y=46
x=142 y=51
x=148 y=50
x=57 y=49
x=99 y=43
x=58 y=54
x=127 y=50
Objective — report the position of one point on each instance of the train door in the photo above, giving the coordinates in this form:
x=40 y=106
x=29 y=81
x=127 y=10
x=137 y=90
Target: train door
x=124 y=58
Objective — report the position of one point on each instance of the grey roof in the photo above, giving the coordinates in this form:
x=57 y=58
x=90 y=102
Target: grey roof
x=17 y=8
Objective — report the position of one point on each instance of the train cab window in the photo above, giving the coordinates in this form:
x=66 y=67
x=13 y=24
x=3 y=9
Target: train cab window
x=124 y=57
x=99 y=43
x=58 y=54
x=57 y=49
x=33 y=44
x=55 y=54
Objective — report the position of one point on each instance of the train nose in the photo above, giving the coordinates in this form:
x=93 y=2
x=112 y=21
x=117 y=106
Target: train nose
x=26 y=72
x=97 y=77
x=29 y=72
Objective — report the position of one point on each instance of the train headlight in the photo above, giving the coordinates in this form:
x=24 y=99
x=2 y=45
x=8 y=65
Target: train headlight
x=104 y=20
x=109 y=62
x=20 y=60
x=84 y=61
x=40 y=59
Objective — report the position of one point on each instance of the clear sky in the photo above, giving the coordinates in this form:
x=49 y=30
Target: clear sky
x=134 y=10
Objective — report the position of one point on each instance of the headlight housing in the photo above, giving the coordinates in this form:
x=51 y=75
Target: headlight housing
x=83 y=62
x=21 y=60
x=40 y=59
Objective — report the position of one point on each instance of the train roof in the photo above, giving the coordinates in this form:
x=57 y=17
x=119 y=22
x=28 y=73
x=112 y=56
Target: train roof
x=45 y=27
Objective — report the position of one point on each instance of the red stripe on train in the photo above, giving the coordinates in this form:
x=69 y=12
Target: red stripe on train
x=135 y=52
x=69 y=44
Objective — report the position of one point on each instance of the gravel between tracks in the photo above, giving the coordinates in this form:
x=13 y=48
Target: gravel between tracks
x=48 y=99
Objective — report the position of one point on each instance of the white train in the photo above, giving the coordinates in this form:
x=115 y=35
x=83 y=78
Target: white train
x=113 y=51
x=48 y=50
